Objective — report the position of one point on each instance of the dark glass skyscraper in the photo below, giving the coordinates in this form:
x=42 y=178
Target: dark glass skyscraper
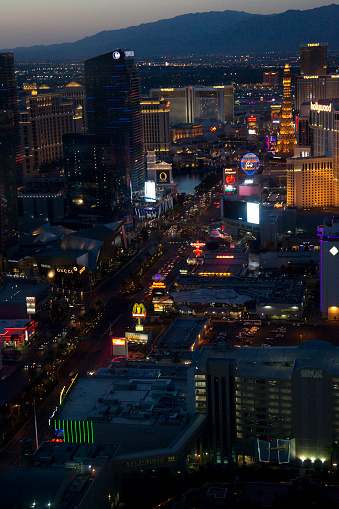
x=113 y=106
x=313 y=59
x=10 y=154
x=95 y=171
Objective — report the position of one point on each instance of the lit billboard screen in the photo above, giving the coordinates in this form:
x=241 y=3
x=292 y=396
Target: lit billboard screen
x=119 y=341
x=150 y=190
x=242 y=211
x=253 y=213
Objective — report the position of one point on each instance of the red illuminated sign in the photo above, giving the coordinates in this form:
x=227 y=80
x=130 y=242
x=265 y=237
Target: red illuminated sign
x=119 y=341
x=197 y=246
x=230 y=179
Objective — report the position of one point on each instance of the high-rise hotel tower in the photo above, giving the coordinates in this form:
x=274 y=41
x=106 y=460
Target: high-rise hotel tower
x=10 y=154
x=113 y=106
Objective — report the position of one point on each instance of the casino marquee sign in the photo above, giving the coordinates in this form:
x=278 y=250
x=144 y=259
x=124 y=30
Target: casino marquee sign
x=163 y=177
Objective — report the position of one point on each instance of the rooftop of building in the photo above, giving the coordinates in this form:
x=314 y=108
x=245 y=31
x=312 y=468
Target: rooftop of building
x=183 y=333
x=15 y=291
x=276 y=362
x=61 y=475
x=65 y=254
x=263 y=290
x=99 y=232
x=141 y=413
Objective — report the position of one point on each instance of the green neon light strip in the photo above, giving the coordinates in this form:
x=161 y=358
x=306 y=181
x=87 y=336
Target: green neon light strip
x=76 y=430
x=72 y=431
x=83 y=430
x=67 y=432
x=87 y=431
x=92 y=432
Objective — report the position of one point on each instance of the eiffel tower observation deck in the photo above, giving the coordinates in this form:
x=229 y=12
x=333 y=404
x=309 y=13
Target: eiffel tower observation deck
x=286 y=138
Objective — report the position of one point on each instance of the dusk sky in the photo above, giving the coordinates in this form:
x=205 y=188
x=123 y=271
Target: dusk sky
x=24 y=23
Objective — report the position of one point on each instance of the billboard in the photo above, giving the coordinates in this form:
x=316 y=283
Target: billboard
x=163 y=177
x=30 y=305
x=250 y=163
x=138 y=337
x=253 y=213
x=150 y=190
x=230 y=181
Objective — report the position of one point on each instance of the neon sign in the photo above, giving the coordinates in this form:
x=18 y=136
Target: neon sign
x=139 y=311
x=230 y=179
x=321 y=107
x=250 y=163
x=197 y=246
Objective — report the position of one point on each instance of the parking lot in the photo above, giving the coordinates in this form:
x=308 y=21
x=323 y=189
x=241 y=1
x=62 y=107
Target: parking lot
x=236 y=334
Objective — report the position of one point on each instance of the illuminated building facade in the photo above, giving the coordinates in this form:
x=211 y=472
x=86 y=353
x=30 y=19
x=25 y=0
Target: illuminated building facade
x=76 y=93
x=324 y=123
x=156 y=125
x=96 y=174
x=315 y=88
x=313 y=59
x=310 y=182
x=44 y=118
x=286 y=138
x=191 y=103
x=182 y=131
x=10 y=155
x=113 y=107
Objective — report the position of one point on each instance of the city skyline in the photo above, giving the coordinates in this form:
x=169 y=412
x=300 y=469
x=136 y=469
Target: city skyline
x=34 y=23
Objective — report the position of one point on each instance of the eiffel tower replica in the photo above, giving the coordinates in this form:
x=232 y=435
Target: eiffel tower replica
x=286 y=137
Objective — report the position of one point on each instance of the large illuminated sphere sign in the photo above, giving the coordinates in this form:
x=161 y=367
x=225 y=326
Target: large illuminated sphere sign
x=250 y=164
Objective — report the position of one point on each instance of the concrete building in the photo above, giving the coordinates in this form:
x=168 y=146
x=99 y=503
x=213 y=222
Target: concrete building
x=64 y=475
x=324 y=122
x=156 y=126
x=329 y=266
x=144 y=410
x=276 y=404
x=315 y=88
x=42 y=198
x=193 y=103
x=160 y=173
x=76 y=93
x=310 y=182
x=44 y=118
x=313 y=59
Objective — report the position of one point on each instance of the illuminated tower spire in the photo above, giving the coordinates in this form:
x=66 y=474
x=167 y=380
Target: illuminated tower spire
x=286 y=138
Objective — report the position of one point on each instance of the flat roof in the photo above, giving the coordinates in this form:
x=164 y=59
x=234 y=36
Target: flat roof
x=183 y=333
x=137 y=413
x=17 y=291
x=276 y=362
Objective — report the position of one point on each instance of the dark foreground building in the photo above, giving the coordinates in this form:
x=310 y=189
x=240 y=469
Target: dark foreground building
x=10 y=158
x=96 y=172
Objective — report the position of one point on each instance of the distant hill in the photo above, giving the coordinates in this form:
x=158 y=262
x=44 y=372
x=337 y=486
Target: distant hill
x=227 y=32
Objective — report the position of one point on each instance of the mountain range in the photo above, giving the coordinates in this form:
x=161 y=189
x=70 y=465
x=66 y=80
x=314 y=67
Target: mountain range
x=218 y=33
